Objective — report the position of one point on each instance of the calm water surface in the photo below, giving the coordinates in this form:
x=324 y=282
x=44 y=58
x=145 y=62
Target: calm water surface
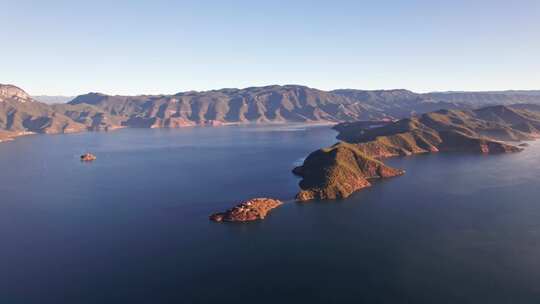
x=133 y=226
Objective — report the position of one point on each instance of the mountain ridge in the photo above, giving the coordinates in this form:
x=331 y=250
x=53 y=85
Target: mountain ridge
x=252 y=105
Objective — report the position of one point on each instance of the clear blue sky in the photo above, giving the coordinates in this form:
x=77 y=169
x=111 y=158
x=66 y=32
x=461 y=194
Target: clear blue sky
x=133 y=47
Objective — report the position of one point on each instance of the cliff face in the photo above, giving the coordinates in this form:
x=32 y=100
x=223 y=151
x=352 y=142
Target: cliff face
x=12 y=93
x=338 y=171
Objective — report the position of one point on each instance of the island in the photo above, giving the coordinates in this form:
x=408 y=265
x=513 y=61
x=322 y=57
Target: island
x=338 y=171
x=248 y=211
x=87 y=157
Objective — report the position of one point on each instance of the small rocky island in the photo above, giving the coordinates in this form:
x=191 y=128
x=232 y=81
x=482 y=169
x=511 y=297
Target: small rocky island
x=248 y=211
x=87 y=157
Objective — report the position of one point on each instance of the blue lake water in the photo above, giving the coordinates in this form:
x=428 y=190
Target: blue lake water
x=133 y=227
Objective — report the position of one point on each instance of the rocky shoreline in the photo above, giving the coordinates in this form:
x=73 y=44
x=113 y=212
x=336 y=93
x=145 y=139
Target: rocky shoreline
x=248 y=211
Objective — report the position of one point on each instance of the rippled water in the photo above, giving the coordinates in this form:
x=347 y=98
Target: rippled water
x=132 y=226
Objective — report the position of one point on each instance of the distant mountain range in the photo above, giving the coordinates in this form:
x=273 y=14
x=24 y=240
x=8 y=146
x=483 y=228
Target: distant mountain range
x=52 y=99
x=479 y=99
x=21 y=114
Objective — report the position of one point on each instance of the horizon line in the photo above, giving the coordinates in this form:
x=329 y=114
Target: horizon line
x=280 y=85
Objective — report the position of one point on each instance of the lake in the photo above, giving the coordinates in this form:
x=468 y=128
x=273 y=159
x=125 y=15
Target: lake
x=132 y=227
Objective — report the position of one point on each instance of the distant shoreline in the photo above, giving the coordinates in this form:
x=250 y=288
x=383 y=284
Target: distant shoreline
x=12 y=136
